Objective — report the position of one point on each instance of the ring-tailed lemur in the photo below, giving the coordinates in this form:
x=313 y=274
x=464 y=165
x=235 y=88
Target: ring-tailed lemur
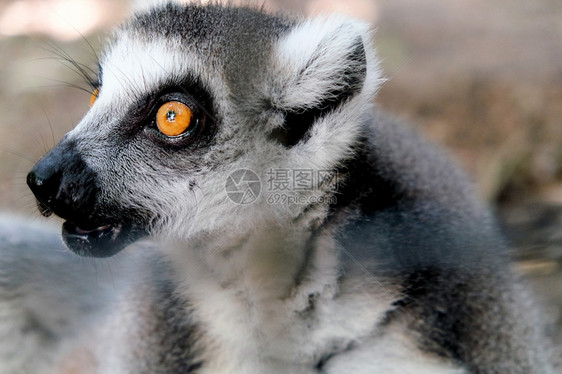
x=295 y=229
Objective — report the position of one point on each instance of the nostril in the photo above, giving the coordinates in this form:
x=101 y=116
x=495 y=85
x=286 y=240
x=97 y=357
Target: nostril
x=44 y=186
x=33 y=181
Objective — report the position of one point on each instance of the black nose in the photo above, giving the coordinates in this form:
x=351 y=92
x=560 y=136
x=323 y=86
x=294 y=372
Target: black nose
x=44 y=181
x=63 y=184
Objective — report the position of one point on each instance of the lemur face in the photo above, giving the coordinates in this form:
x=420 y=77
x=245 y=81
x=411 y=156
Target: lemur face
x=187 y=96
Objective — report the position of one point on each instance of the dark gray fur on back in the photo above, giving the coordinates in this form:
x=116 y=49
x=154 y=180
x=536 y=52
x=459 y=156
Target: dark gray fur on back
x=417 y=222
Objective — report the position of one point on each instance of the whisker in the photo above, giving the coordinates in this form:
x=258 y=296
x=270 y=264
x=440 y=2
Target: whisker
x=73 y=63
x=86 y=73
x=64 y=84
x=50 y=126
x=39 y=142
x=65 y=20
x=20 y=155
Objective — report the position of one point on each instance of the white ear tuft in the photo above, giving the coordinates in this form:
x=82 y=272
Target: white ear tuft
x=144 y=5
x=320 y=57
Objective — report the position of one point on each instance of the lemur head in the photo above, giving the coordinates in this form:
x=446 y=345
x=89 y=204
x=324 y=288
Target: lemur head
x=187 y=96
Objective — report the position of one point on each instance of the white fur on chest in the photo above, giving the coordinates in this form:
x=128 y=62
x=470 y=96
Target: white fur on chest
x=254 y=319
x=261 y=312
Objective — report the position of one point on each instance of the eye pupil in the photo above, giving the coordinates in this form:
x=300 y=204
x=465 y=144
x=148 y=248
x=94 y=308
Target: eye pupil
x=171 y=116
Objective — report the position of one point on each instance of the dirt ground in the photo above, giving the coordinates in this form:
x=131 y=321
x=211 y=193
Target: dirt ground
x=482 y=78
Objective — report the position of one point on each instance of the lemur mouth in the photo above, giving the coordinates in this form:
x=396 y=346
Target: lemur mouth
x=102 y=241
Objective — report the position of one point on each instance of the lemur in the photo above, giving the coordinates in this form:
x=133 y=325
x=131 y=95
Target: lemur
x=293 y=228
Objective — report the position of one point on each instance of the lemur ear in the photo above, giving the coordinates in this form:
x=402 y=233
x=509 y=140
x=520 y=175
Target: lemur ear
x=317 y=66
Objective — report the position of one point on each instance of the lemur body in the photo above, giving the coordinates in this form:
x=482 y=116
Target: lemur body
x=395 y=268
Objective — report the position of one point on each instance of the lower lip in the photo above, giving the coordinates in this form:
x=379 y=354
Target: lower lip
x=103 y=241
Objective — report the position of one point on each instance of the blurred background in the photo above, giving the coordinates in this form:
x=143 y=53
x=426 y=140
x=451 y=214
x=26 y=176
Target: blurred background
x=481 y=77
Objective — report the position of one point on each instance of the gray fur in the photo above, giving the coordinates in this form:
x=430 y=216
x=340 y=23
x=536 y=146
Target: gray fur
x=397 y=268
x=47 y=295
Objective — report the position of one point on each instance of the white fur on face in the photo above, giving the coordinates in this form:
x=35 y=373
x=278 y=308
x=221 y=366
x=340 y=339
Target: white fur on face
x=134 y=67
x=300 y=74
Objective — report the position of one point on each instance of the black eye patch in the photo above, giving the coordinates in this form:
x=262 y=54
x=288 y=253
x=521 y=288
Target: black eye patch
x=140 y=116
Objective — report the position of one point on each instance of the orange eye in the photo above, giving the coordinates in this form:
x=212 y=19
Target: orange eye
x=173 y=118
x=94 y=96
